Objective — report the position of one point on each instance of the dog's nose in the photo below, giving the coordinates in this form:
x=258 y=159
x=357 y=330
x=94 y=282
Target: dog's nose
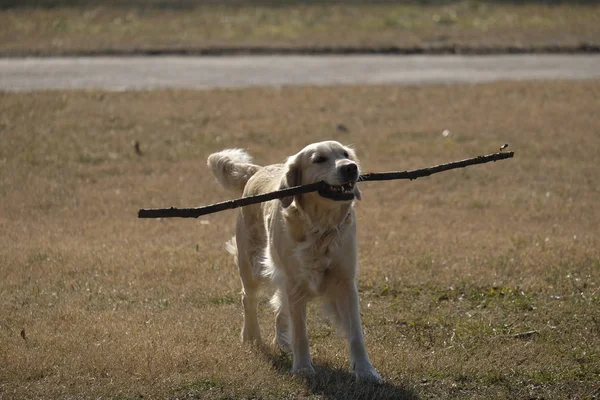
x=350 y=171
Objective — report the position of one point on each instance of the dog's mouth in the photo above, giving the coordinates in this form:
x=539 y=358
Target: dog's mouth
x=343 y=192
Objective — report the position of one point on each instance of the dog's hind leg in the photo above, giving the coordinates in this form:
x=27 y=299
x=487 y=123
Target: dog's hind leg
x=282 y=321
x=250 y=288
x=251 y=329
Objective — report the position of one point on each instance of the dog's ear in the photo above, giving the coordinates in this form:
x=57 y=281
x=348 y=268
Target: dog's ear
x=292 y=177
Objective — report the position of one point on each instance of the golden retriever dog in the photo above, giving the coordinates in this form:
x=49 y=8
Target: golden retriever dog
x=304 y=246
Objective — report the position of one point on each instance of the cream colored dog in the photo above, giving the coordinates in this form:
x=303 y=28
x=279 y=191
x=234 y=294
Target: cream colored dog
x=305 y=246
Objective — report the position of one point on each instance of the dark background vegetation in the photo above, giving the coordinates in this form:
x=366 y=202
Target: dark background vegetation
x=249 y=3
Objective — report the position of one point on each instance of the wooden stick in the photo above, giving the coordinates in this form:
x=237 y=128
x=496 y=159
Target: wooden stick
x=226 y=205
x=419 y=173
x=313 y=187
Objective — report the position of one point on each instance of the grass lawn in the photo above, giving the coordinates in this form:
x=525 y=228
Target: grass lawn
x=455 y=268
x=142 y=25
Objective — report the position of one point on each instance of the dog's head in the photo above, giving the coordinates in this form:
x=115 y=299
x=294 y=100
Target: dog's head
x=330 y=162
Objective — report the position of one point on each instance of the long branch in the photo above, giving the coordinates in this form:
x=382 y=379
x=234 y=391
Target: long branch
x=313 y=187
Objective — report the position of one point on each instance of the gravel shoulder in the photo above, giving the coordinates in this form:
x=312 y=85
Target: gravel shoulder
x=139 y=73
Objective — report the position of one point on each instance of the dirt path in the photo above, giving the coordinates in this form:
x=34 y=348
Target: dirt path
x=126 y=73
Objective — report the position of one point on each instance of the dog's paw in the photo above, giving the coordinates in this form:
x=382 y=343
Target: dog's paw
x=251 y=335
x=304 y=369
x=283 y=345
x=367 y=374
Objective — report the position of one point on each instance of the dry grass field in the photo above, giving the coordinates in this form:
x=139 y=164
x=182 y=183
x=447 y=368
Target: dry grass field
x=455 y=268
x=67 y=26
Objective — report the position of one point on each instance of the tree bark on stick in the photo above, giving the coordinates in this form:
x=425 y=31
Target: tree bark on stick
x=173 y=212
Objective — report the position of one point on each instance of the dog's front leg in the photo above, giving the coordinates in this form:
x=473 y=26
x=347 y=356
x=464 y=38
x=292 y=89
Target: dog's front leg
x=345 y=301
x=302 y=363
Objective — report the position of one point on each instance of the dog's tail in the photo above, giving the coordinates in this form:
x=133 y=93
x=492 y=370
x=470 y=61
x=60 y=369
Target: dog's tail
x=232 y=168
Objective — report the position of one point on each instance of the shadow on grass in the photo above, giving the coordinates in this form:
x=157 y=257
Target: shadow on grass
x=334 y=383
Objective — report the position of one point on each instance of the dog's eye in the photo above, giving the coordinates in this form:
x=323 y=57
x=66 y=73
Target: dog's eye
x=320 y=160
x=345 y=154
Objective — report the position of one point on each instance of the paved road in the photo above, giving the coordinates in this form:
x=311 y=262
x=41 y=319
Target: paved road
x=124 y=73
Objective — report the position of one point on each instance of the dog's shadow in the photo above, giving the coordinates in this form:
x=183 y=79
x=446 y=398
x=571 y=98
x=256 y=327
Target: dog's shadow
x=334 y=383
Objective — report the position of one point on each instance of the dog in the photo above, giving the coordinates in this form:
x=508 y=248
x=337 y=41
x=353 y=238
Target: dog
x=303 y=245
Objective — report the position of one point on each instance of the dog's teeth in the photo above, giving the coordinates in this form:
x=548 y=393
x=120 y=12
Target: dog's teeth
x=348 y=187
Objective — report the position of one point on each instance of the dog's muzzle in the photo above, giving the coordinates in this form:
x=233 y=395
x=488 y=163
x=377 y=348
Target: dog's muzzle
x=343 y=192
